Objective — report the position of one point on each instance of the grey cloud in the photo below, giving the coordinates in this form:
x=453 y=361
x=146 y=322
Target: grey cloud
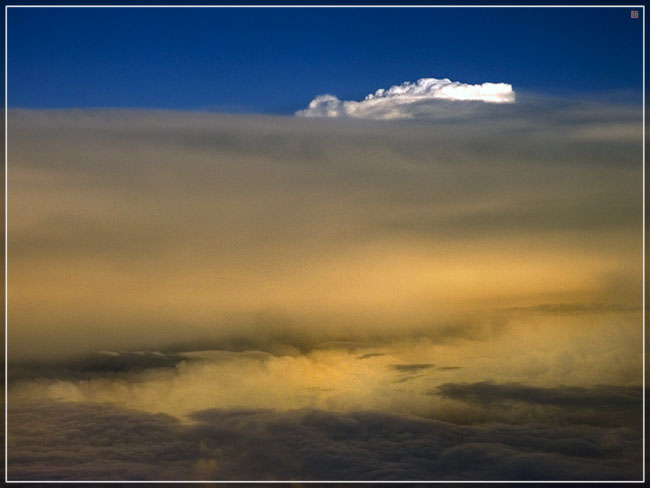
x=411 y=368
x=285 y=338
x=364 y=445
x=103 y=363
x=599 y=397
x=123 y=364
x=66 y=441
x=406 y=379
x=90 y=441
x=371 y=355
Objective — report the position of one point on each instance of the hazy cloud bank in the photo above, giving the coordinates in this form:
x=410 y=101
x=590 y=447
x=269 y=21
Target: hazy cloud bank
x=409 y=100
x=153 y=230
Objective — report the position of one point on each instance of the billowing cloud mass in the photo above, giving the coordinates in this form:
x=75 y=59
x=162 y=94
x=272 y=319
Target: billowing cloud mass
x=409 y=100
x=80 y=441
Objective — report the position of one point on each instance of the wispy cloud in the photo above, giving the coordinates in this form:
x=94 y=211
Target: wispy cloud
x=408 y=100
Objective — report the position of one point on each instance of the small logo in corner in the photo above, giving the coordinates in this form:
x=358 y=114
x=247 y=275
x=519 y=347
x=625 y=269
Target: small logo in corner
x=634 y=14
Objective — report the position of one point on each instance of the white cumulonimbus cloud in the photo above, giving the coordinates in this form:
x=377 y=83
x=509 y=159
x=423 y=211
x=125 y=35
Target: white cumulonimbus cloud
x=408 y=100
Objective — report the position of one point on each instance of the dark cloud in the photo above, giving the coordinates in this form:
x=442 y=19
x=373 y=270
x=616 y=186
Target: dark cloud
x=67 y=441
x=607 y=397
x=283 y=337
x=104 y=363
x=406 y=379
x=411 y=368
x=409 y=372
x=64 y=441
x=371 y=355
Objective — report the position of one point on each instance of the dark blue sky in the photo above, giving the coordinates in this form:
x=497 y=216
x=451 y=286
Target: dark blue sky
x=277 y=60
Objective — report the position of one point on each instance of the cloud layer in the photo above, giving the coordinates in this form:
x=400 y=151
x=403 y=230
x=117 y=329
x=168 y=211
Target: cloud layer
x=68 y=441
x=147 y=230
x=447 y=275
x=409 y=100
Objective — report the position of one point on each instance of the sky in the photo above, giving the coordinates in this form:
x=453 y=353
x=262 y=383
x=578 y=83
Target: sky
x=276 y=60
x=328 y=245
